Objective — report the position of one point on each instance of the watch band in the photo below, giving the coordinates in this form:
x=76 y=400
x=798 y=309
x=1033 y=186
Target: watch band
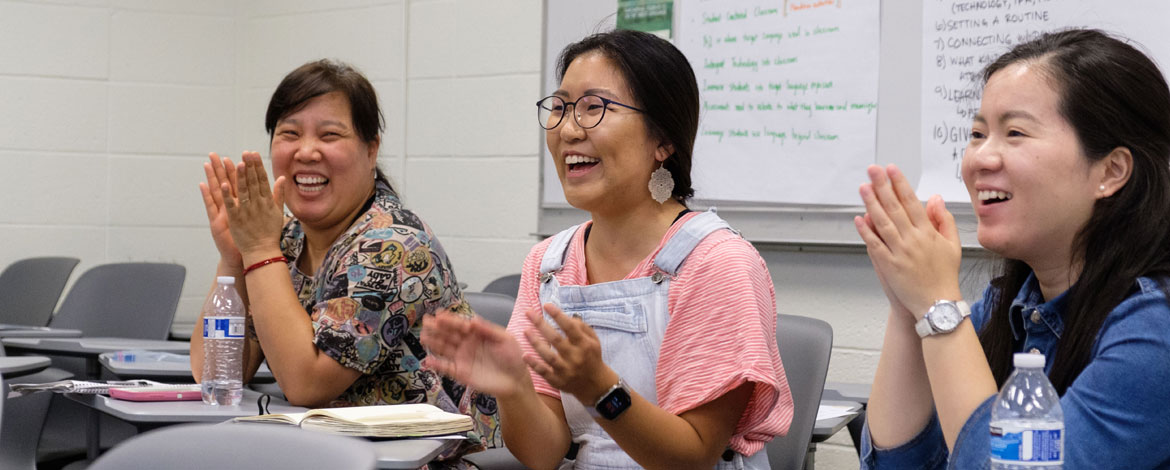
x=925 y=325
x=612 y=403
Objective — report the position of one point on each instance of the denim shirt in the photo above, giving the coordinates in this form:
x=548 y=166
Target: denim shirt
x=1116 y=413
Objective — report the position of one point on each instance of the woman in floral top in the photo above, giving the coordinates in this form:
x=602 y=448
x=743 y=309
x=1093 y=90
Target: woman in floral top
x=336 y=292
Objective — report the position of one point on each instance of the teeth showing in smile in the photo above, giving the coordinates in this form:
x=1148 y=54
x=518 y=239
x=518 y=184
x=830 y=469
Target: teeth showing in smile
x=311 y=184
x=575 y=159
x=994 y=196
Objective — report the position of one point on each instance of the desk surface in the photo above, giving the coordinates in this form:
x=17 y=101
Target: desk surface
x=164 y=371
x=826 y=428
x=855 y=392
x=25 y=331
x=392 y=454
x=90 y=346
x=16 y=366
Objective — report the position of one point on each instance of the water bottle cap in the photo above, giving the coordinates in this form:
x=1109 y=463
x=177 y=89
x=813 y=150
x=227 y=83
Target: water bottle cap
x=1028 y=360
x=229 y=280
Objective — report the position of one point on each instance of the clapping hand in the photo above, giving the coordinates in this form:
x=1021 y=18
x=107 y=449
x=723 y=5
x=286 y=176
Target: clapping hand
x=570 y=359
x=255 y=214
x=474 y=352
x=914 y=249
x=220 y=171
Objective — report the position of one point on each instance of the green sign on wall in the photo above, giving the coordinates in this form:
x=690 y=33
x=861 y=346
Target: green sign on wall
x=651 y=16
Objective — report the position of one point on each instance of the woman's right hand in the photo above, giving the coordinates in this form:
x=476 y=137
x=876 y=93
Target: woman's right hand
x=475 y=352
x=219 y=171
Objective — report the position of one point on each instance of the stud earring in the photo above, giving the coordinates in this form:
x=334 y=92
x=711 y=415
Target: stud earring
x=1102 y=188
x=661 y=184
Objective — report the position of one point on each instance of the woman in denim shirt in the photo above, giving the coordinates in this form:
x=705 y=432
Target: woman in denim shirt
x=1068 y=169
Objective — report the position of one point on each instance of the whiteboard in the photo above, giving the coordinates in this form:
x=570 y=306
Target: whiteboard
x=796 y=224
x=906 y=120
x=961 y=37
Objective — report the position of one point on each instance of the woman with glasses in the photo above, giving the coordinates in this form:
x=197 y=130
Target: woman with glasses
x=336 y=292
x=644 y=338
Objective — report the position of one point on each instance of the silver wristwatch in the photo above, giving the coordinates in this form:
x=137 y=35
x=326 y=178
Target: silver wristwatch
x=943 y=317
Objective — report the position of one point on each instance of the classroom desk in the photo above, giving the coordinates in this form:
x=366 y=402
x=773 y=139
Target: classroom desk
x=854 y=392
x=164 y=371
x=88 y=348
x=15 y=366
x=392 y=454
x=826 y=428
x=25 y=331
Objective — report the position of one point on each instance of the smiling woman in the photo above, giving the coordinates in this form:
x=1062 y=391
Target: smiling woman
x=1068 y=170
x=644 y=338
x=339 y=325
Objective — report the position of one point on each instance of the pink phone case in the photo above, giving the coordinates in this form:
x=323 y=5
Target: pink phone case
x=157 y=394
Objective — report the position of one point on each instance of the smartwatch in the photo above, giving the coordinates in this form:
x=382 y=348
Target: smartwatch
x=612 y=403
x=943 y=317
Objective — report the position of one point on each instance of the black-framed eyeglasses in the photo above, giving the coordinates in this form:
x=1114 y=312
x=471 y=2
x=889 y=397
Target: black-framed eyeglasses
x=588 y=110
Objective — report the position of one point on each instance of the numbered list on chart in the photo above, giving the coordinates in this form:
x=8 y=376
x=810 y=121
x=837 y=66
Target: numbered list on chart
x=788 y=96
x=959 y=39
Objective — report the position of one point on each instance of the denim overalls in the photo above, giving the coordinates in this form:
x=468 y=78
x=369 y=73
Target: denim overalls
x=629 y=317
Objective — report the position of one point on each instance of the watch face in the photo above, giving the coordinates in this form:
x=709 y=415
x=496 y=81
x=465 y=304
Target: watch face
x=614 y=404
x=945 y=316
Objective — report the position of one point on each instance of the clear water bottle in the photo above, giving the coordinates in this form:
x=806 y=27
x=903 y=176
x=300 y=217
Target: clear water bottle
x=223 y=344
x=1027 y=426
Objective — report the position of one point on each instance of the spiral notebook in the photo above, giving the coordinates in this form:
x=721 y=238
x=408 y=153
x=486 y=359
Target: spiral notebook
x=93 y=387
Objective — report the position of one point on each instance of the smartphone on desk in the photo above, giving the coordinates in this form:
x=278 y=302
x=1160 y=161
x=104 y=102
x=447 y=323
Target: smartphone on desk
x=181 y=392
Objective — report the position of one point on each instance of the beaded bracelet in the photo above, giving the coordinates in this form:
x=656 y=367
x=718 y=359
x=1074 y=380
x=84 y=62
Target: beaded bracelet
x=266 y=262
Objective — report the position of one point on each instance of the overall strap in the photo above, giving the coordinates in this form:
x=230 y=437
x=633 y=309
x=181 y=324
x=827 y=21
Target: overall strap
x=686 y=239
x=554 y=256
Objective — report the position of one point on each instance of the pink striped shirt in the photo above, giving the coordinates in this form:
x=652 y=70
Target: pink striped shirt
x=721 y=334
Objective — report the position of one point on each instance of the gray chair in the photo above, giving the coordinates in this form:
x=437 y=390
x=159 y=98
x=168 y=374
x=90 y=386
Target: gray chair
x=125 y=300
x=805 y=345
x=496 y=308
x=508 y=285
x=238 y=446
x=22 y=418
x=30 y=289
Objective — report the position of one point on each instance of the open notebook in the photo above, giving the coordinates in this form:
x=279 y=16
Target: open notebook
x=408 y=420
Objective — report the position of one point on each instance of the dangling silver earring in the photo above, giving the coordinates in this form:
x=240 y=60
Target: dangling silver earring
x=661 y=184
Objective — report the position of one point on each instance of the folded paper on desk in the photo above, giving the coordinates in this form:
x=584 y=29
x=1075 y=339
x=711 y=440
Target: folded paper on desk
x=834 y=411
x=100 y=387
x=408 y=420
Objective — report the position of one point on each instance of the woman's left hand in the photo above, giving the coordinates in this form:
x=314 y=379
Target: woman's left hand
x=915 y=249
x=256 y=216
x=569 y=360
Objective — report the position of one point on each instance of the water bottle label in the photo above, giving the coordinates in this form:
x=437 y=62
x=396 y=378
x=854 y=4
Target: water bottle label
x=1011 y=444
x=223 y=327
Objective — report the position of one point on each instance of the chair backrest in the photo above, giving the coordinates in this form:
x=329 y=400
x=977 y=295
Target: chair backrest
x=508 y=285
x=238 y=446
x=126 y=300
x=21 y=420
x=496 y=308
x=805 y=345
x=30 y=289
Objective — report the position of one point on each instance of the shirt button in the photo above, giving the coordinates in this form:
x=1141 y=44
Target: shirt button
x=1036 y=317
x=1033 y=351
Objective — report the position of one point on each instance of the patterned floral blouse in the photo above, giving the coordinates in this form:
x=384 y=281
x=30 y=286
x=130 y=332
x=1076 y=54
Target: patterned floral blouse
x=367 y=300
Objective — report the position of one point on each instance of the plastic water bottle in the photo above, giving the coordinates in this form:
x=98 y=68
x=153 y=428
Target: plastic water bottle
x=223 y=344
x=1027 y=426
